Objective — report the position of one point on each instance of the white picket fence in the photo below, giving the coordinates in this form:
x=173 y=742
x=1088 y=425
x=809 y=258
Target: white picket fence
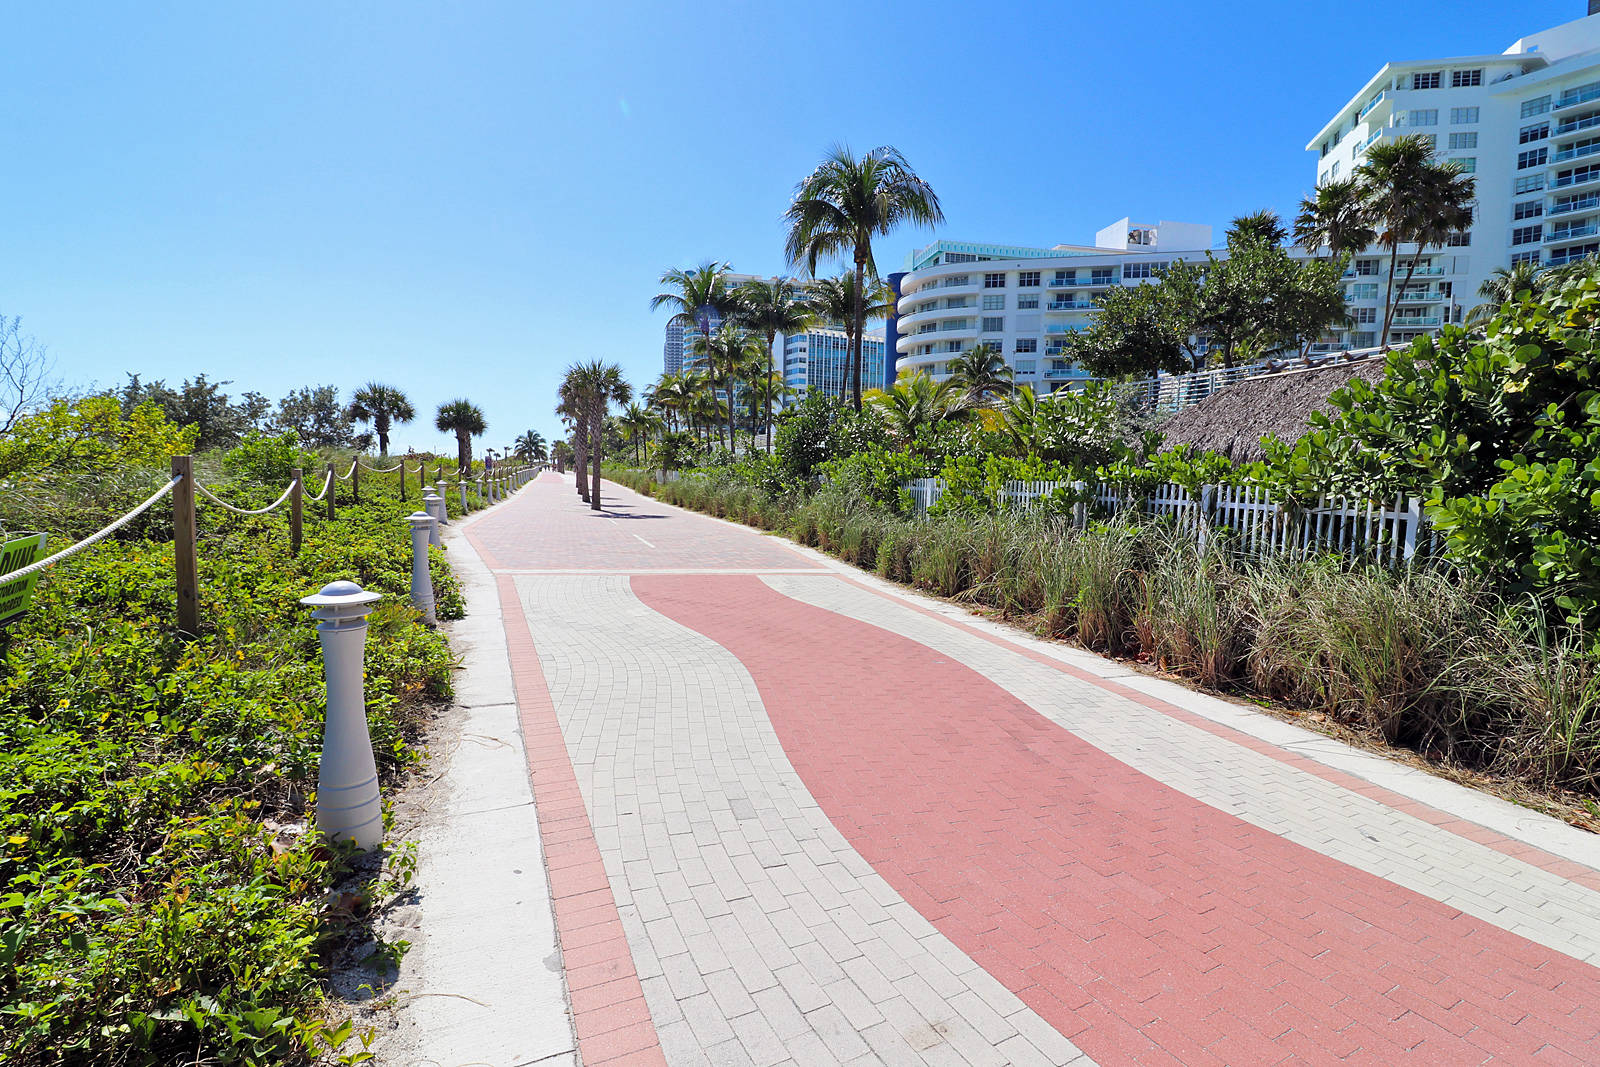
x=1253 y=523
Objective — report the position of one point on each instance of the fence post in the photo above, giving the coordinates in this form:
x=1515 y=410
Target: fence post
x=430 y=507
x=347 y=778
x=185 y=568
x=355 y=482
x=402 y=477
x=333 y=489
x=296 y=513
x=1413 y=527
x=422 y=526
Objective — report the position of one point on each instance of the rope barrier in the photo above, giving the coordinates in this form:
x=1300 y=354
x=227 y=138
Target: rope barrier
x=347 y=475
x=242 y=511
x=382 y=470
x=95 y=538
x=327 y=483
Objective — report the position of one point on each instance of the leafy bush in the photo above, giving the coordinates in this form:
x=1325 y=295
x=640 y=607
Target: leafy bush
x=267 y=459
x=164 y=897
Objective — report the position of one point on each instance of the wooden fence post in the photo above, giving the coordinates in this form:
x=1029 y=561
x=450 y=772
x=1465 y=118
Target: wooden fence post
x=402 y=477
x=333 y=489
x=183 y=555
x=355 y=482
x=296 y=504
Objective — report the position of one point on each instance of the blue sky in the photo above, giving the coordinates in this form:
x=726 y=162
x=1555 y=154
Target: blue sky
x=463 y=198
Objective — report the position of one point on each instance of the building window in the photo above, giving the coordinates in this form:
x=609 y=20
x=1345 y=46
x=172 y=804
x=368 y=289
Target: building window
x=1064 y=277
x=1526 y=235
x=1366 y=315
x=1463 y=140
x=1028 y=279
x=1537 y=132
x=1528 y=209
x=1027 y=300
x=1333 y=171
x=994 y=281
x=1536 y=157
x=1027 y=344
x=1459 y=240
x=994 y=324
x=1367 y=266
x=1463 y=116
x=1425 y=116
x=1466 y=164
x=1536 y=106
x=1027 y=366
x=1143 y=270
x=994 y=302
x=1530 y=184
x=1525 y=257
x=1364 y=291
x=1425 y=81
x=952 y=346
x=1101 y=275
x=1462 y=79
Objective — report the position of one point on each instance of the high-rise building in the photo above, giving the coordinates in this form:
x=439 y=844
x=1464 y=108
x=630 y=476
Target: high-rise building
x=677 y=349
x=1023 y=301
x=818 y=361
x=1525 y=123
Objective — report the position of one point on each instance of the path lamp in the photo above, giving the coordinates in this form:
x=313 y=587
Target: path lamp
x=441 y=512
x=347 y=778
x=430 y=507
x=423 y=526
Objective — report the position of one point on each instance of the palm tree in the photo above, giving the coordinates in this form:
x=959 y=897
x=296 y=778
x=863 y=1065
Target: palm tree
x=464 y=419
x=766 y=390
x=597 y=385
x=382 y=406
x=530 y=446
x=696 y=296
x=1334 y=218
x=673 y=395
x=839 y=207
x=1023 y=422
x=571 y=411
x=725 y=352
x=835 y=300
x=637 y=421
x=1262 y=226
x=1503 y=285
x=1412 y=199
x=980 y=373
x=916 y=400
x=768 y=309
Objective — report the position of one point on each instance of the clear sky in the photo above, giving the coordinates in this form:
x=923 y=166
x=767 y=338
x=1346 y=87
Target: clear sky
x=463 y=198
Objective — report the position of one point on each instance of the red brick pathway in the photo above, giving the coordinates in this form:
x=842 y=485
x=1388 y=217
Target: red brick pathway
x=1146 y=926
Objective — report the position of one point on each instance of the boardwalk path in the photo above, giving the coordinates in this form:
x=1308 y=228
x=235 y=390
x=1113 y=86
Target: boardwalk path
x=791 y=815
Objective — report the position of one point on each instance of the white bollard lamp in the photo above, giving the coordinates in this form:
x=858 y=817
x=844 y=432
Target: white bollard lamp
x=348 y=808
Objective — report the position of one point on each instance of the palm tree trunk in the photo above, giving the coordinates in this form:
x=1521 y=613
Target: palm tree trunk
x=855 y=346
x=728 y=384
x=1388 y=294
x=770 y=370
x=597 y=447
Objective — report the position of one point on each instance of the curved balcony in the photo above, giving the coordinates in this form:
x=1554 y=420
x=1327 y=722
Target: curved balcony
x=1071 y=305
x=910 y=324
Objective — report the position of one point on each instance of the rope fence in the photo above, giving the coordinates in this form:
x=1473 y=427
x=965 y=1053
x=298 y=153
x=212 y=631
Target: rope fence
x=185 y=489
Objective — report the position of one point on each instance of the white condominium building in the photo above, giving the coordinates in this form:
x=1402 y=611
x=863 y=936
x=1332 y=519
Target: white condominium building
x=1525 y=122
x=818 y=361
x=677 y=348
x=1023 y=301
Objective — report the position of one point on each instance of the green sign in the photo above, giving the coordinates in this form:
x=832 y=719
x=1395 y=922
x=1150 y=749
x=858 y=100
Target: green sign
x=15 y=555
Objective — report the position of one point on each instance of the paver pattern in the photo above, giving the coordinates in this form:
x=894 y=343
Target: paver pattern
x=837 y=827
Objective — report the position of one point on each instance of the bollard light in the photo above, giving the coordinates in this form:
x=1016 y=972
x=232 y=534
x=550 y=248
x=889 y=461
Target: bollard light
x=347 y=779
x=423 y=527
x=462 y=485
x=430 y=508
x=442 y=513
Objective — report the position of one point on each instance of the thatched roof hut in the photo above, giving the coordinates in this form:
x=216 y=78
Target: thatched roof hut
x=1233 y=420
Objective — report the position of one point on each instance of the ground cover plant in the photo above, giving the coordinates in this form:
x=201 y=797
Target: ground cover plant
x=163 y=898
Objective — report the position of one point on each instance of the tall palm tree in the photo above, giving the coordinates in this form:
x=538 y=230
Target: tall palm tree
x=382 y=406
x=836 y=300
x=597 y=385
x=696 y=296
x=769 y=308
x=1503 y=285
x=980 y=373
x=767 y=389
x=838 y=209
x=571 y=411
x=464 y=419
x=1262 y=226
x=637 y=421
x=1335 y=218
x=672 y=395
x=1412 y=199
x=725 y=352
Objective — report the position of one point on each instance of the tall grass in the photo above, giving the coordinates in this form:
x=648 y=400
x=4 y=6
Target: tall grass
x=1423 y=658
